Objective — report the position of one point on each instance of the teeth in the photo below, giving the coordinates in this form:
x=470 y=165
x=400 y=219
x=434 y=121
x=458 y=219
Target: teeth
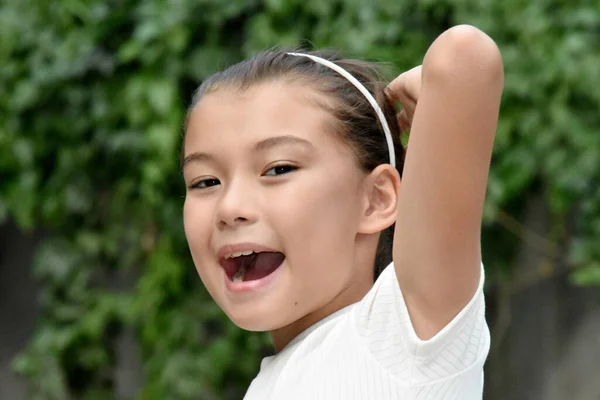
x=239 y=275
x=240 y=253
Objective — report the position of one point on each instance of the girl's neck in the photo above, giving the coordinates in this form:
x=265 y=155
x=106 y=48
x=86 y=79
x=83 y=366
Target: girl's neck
x=282 y=336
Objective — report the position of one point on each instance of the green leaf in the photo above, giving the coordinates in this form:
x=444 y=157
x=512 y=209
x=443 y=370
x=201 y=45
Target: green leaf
x=587 y=276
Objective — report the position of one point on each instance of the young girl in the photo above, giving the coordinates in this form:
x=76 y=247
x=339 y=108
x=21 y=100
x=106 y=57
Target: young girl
x=292 y=201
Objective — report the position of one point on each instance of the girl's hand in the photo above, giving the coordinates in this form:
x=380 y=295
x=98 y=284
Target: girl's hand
x=405 y=89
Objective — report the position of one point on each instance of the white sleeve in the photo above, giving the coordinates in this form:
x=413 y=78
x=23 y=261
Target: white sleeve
x=383 y=322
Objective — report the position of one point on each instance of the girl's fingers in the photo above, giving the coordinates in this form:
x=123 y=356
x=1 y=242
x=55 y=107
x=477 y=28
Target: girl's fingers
x=403 y=121
x=400 y=95
x=394 y=88
x=406 y=86
x=405 y=89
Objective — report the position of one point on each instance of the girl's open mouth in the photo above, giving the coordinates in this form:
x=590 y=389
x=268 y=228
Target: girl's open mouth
x=252 y=266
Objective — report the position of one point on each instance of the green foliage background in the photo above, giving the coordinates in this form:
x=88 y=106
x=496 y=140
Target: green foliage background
x=92 y=99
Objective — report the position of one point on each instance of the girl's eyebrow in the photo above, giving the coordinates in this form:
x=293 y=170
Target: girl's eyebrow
x=274 y=141
x=263 y=145
x=196 y=157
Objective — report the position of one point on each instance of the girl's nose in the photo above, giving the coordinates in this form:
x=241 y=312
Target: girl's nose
x=236 y=207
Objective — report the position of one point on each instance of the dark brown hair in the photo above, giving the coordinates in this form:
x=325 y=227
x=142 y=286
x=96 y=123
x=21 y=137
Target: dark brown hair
x=357 y=122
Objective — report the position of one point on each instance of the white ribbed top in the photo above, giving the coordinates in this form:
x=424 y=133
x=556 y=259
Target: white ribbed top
x=369 y=351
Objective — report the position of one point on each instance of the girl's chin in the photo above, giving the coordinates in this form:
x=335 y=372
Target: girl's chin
x=254 y=321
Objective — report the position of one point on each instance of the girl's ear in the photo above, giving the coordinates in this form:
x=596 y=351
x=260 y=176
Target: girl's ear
x=382 y=187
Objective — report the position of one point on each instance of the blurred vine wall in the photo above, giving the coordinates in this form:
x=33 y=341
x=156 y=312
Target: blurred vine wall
x=92 y=100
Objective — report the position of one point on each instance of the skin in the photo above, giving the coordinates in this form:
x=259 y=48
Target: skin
x=451 y=104
x=325 y=215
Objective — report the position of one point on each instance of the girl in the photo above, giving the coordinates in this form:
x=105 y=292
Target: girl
x=292 y=199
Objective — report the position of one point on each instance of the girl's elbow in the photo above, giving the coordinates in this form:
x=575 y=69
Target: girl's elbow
x=464 y=51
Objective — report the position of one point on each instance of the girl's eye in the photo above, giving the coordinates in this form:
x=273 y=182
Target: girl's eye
x=280 y=170
x=203 y=184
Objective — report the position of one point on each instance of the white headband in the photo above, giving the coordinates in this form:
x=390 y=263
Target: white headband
x=365 y=92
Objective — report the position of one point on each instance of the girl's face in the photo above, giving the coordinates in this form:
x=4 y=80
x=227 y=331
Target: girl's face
x=265 y=173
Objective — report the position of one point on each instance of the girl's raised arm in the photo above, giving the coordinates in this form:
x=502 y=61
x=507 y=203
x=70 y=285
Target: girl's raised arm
x=437 y=252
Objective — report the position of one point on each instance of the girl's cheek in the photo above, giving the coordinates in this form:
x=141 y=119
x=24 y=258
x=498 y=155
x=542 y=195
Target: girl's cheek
x=197 y=221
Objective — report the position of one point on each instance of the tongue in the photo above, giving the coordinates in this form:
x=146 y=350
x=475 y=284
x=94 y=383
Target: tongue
x=263 y=265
